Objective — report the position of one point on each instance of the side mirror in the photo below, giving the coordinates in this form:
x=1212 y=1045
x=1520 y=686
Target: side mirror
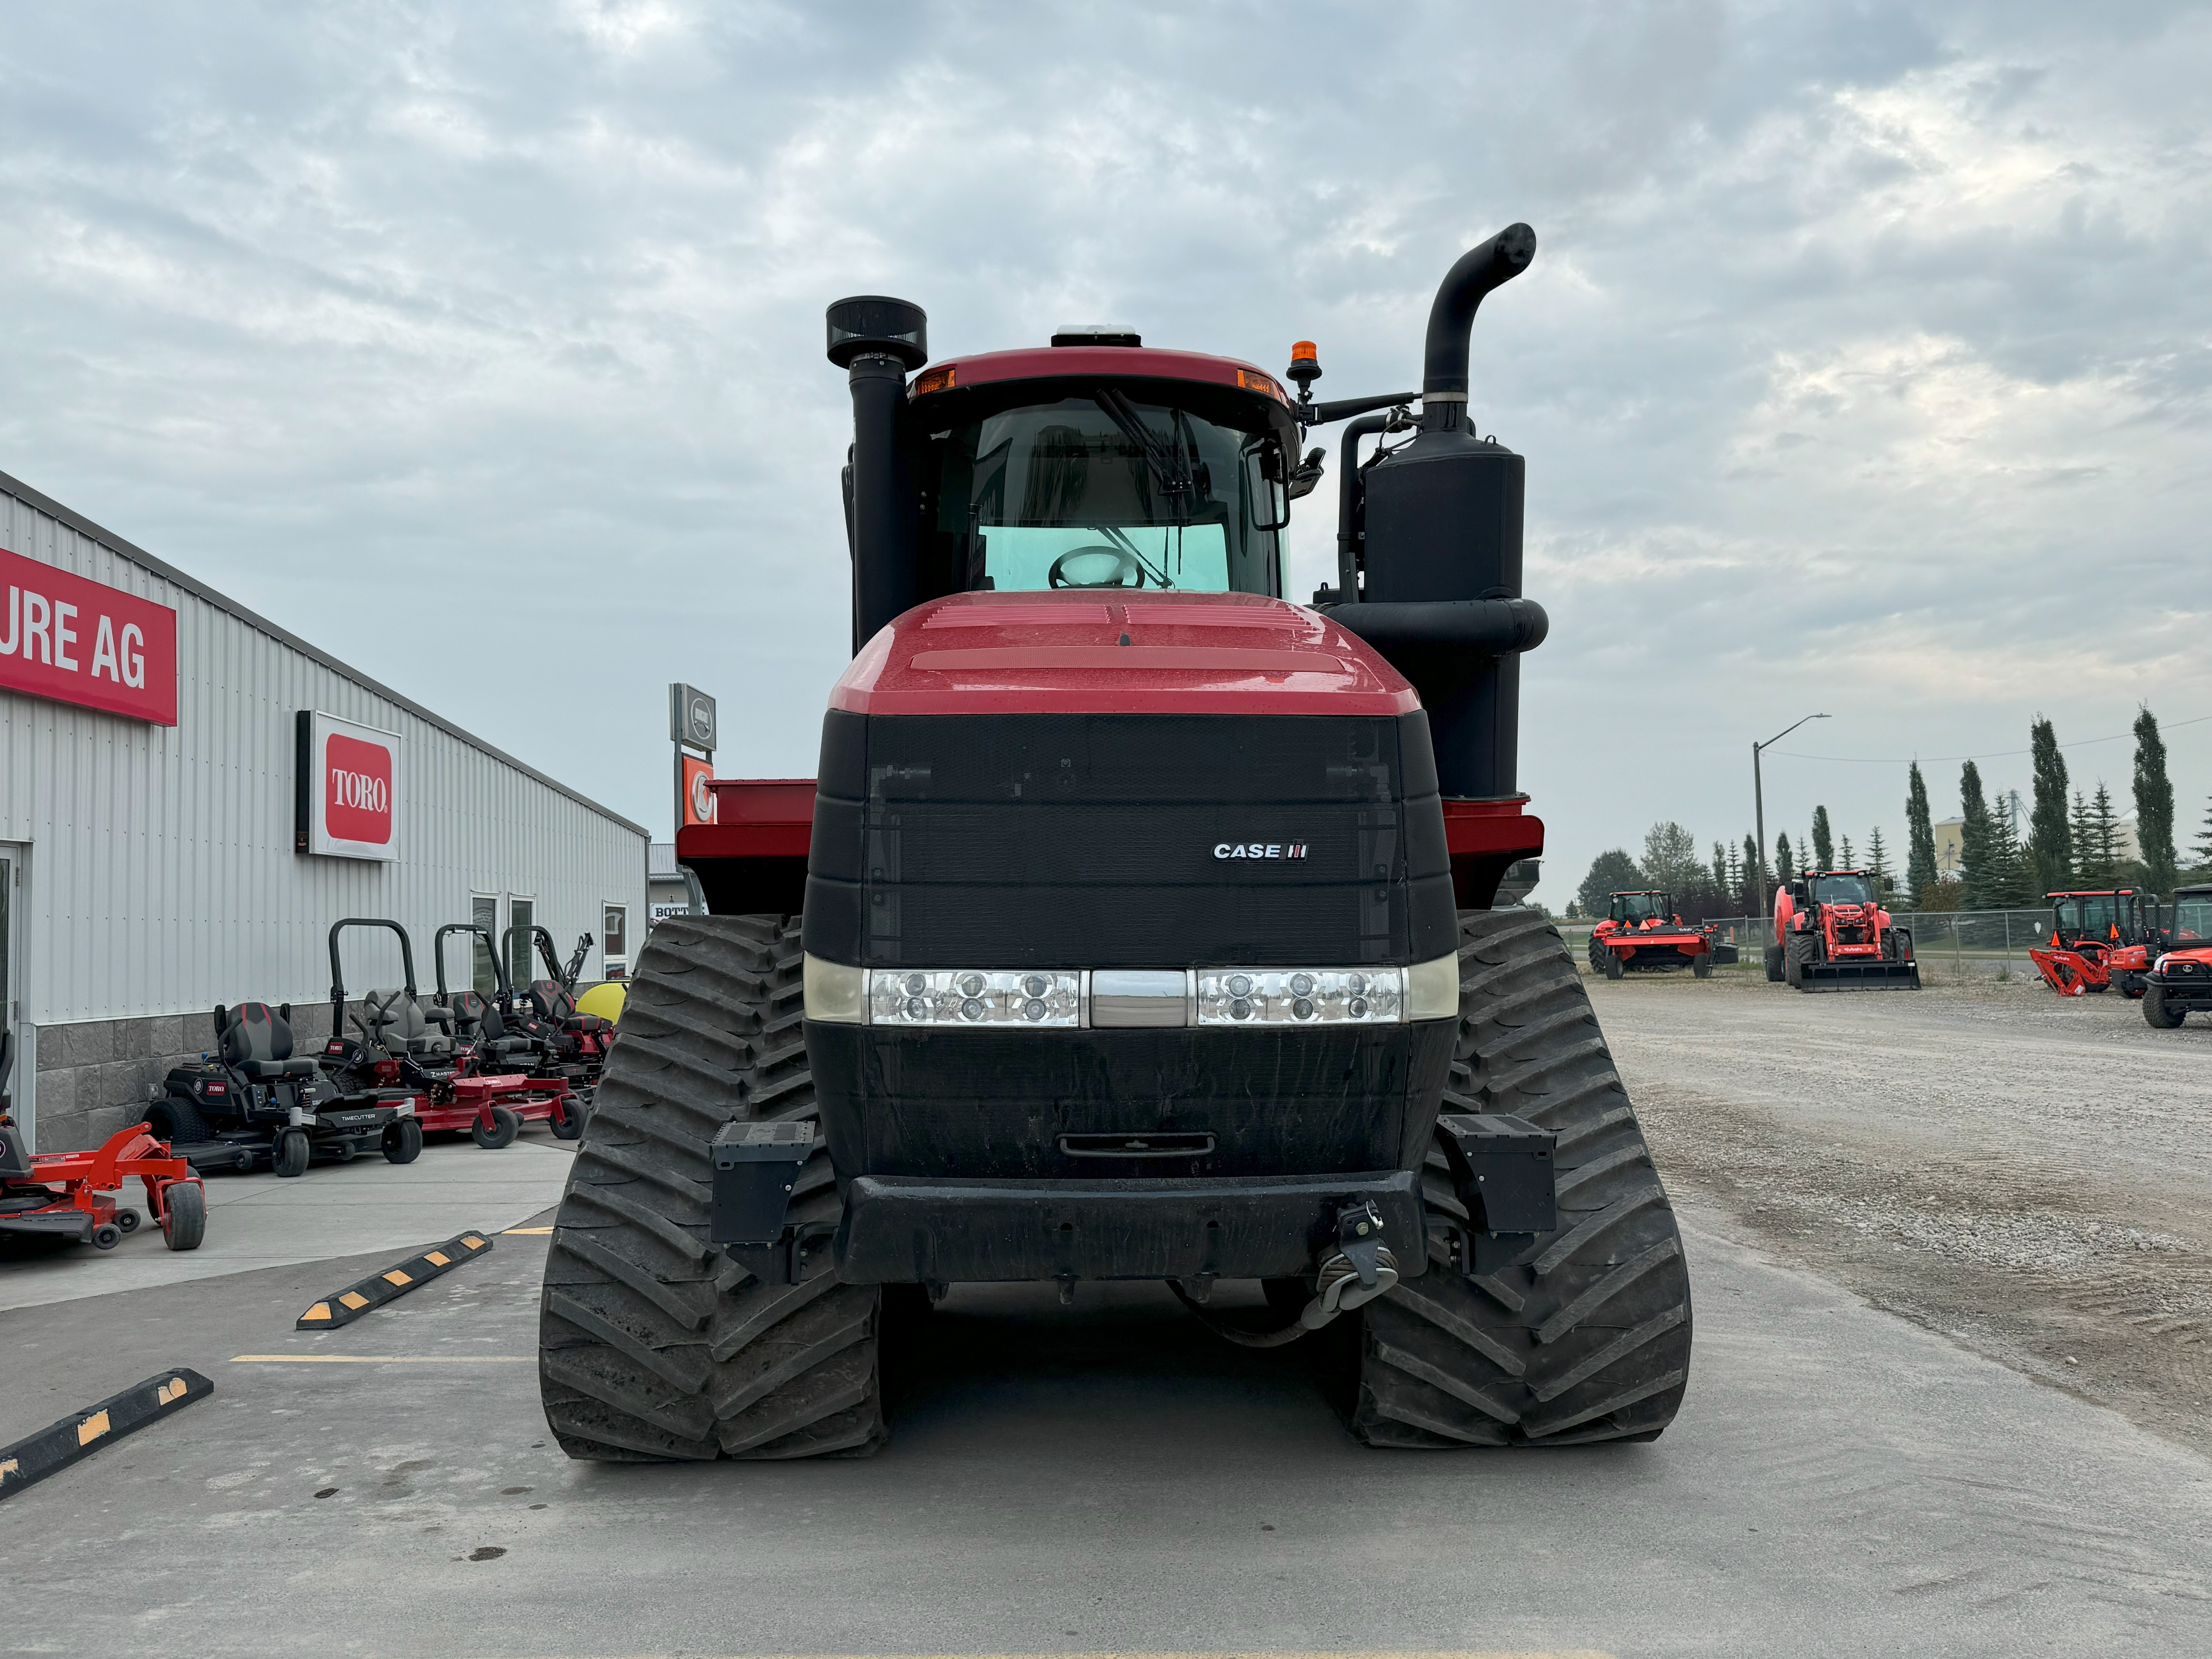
x=1264 y=484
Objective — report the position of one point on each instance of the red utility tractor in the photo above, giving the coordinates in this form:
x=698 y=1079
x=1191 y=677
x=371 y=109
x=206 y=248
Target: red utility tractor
x=1641 y=930
x=2099 y=940
x=2179 y=979
x=1139 y=924
x=71 y=1195
x=1835 y=936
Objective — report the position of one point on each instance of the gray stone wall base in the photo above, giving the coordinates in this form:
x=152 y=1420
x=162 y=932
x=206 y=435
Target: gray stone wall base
x=95 y=1076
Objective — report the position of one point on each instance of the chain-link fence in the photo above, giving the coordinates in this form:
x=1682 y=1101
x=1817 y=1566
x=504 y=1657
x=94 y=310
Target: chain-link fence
x=1950 y=945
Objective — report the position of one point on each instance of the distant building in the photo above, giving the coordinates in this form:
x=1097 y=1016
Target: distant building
x=1950 y=848
x=666 y=892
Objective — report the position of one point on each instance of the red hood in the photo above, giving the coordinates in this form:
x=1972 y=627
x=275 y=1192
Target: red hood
x=1062 y=652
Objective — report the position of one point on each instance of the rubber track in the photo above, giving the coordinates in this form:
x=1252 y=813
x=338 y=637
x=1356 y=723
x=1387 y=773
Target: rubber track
x=1586 y=1336
x=653 y=1345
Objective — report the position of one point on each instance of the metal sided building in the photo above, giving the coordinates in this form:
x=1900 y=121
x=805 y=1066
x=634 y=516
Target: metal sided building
x=189 y=796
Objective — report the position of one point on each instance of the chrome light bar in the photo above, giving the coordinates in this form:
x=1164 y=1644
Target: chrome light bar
x=1049 y=998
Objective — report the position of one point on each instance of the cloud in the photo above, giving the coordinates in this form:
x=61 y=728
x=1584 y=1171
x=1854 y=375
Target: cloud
x=1864 y=363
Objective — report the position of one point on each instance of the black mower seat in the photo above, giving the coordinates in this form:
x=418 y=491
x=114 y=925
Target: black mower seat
x=401 y=1025
x=480 y=1018
x=258 y=1040
x=555 y=1003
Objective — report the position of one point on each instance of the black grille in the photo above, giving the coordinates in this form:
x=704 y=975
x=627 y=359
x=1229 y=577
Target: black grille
x=1088 y=841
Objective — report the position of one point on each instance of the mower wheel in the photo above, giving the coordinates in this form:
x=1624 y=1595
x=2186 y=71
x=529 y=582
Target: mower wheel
x=505 y=1126
x=107 y=1235
x=651 y=1346
x=2157 y=1013
x=1585 y=1335
x=1774 y=965
x=178 y=1122
x=402 y=1140
x=568 y=1121
x=289 y=1155
x=1702 y=966
x=186 y=1222
x=1614 y=967
x=128 y=1219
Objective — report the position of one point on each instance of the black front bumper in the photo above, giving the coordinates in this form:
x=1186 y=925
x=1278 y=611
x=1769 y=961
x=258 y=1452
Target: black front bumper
x=2186 y=993
x=915 y=1230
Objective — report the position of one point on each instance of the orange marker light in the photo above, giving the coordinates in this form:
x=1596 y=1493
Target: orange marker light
x=937 y=379
x=1252 y=380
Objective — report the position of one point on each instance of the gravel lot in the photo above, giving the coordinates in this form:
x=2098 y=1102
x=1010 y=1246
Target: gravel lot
x=2027 y=1174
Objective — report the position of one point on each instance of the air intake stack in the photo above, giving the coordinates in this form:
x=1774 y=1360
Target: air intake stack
x=1441 y=550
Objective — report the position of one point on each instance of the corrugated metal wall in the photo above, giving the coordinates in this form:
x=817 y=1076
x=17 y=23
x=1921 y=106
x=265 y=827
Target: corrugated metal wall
x=161 y=878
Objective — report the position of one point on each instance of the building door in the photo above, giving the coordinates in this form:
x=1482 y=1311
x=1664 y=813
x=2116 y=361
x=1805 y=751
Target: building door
x=484 y=911
x=614 y=941
x=521 y=915
x=19 y=1084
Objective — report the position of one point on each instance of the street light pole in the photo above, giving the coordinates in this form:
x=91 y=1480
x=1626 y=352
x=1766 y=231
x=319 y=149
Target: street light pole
x=1758 y=803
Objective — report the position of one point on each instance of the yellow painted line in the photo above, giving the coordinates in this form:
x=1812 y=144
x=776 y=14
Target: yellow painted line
x=384 y=1359
x=321 y=1310
x=1225 y=1653
x=439 y=1258
x=354 y=1300
x=172 y=1389
x=395 y=1277
x=519 y=1232
x=92 y=1428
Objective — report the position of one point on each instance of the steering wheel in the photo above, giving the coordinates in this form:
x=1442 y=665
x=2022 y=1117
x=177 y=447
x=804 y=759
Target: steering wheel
x=1093 y=570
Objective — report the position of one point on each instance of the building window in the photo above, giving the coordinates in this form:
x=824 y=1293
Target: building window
x=483 y=967
x=521 y=916
x=614 y=941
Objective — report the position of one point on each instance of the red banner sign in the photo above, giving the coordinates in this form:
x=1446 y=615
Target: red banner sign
x=81 y=641
x=698 y=798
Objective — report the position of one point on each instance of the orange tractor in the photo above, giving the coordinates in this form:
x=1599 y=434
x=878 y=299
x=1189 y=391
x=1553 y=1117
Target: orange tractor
x=2098 y=939
x=1834 y=935
x=1641 y=930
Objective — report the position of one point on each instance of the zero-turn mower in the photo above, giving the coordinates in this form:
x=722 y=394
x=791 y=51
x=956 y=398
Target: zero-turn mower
x=1640 y=931
x=1140 y=924
x=71 y=1196
x=547 y=1008
x=1835 y=936
x=2098 y=939
x=405 y=1050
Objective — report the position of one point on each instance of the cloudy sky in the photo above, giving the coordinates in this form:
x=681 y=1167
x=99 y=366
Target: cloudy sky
x=1863 y=367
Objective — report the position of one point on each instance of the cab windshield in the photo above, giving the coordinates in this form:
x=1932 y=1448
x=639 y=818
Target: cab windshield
x=1843 y=889
x=1109 y=492
x=1639 y=907
x=2094 y=916
x=2192 y=918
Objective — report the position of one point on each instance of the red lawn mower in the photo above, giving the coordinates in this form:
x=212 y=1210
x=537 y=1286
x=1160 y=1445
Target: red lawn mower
x=2099 y=940
x=404 y=1050
x=548 y=1009
x=492 y=1042
x=1641 y=930
x=71 y=1196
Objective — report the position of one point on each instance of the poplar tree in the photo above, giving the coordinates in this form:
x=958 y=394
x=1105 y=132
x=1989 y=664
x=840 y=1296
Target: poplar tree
x=1920 y=838
x=2153 y=804
x=1783 y=870
x=1824 y=840
x=2051 y=836
x=1754 y=866
x=1976 y=837
x=1851 y=860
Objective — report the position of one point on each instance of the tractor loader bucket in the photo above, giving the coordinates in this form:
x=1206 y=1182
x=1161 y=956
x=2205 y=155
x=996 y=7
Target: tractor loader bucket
x=1872 y=975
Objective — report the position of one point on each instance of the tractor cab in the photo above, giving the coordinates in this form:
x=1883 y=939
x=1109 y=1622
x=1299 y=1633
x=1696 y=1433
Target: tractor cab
x=2108 y=919
x=2189 y=925
x=1647 y=909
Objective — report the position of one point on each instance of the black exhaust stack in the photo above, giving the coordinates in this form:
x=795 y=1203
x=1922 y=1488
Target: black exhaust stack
x=878 y=341
x=1441 y=551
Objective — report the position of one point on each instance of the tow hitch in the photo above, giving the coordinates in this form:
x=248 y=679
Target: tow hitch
x=1362 y=1269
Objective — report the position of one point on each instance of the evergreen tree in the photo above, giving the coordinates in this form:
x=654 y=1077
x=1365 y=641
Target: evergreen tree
x=1878 y=860
x=2012 y=872
x=1850 y=859
x=1976 y=838
x=1755 y=866
x=1720 y=872
x=1919 y=839
x=2098 y=842
x=1783 y=872
x=2078 y=827
x=2203 y=847
x=2153 y=804
x=2051 y=835
x=1824 y=840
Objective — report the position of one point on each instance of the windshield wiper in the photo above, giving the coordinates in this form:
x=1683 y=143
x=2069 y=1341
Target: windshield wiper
x=1120 y=539
x=1161 y=463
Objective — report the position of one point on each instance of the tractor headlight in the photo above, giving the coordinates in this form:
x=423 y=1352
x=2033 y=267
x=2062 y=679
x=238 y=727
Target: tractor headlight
x=1038 y=997
x=834 y=991
x=1301 y=996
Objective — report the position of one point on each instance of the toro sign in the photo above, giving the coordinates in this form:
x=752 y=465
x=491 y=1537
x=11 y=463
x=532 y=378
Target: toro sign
x=346 y=789
x=81 y=641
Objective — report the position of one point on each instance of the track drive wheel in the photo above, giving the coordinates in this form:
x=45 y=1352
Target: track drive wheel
x=2157 y=1013
x=184 y=1224
x=402 y=1140
x=505 y=1126
x=289 y=1157
x=1774 y=965
x=1586 y=1336
x=653 y=1345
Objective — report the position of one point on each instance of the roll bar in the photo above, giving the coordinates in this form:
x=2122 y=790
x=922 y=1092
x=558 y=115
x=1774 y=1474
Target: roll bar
x=338 y=974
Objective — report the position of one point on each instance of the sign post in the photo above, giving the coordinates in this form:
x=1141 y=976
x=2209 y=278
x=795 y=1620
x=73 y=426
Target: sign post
x=691 y=729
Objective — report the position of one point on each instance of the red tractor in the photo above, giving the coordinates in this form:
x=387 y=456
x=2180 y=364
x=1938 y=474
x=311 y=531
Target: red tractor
x=1835 y=936
x=1139 y=924
x=2098 y=939
x=2179 y=981
x=1641 y=930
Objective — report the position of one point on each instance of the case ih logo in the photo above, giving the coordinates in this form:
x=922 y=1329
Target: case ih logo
x=1259 y=849
x=357 y=781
